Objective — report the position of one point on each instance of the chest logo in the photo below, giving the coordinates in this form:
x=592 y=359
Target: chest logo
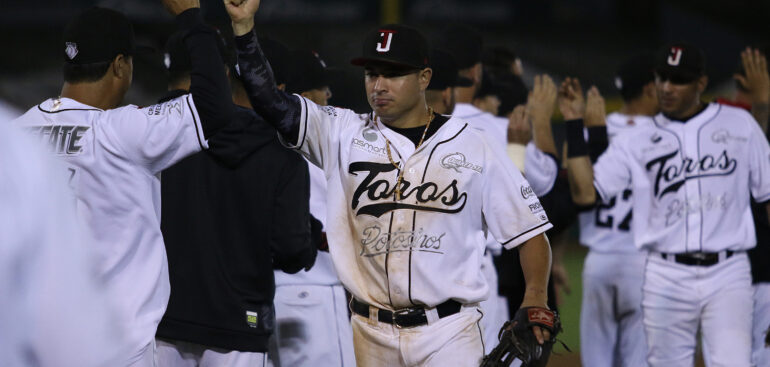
x=723 y=136
x=456 y=161
x=671 y=173
x=381 y=191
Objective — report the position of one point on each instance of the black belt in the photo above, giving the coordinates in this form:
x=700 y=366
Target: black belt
x=697 y=258
x=406 y=317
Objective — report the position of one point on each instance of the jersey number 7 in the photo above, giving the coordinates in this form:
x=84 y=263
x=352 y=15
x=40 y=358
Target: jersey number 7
x=608 y=221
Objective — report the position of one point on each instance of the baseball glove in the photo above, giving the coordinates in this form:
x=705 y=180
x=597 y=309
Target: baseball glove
x=517 y=340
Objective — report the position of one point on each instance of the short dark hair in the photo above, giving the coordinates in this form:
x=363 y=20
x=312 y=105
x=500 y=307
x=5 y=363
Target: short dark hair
x=83 y=73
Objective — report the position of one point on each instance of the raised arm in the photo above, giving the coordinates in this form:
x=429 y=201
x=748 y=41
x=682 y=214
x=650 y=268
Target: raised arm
x=540 y=106
x=579 y=168
x=208 y=83
x=280 y=109
x=756 y=81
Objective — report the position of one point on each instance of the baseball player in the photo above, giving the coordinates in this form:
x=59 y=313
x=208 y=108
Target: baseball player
x=692 y=173
x=312 y=306
x=611 y=313
x=114 y=155
x=54 y=310
x=410 y=196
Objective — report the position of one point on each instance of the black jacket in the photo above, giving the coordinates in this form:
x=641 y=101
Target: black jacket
x=231 y=215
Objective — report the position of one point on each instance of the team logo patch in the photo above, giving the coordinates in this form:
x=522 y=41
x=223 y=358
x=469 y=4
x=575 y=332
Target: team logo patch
x=71 y=49
x=252 y=318
x=723 y=137
x=674 y=56
x=369 y=134
x=387 y=38
x=456 y=161
x=672 y=170
x=655 y=138
x=527 y=192
x=535 y=207
x=540 y=316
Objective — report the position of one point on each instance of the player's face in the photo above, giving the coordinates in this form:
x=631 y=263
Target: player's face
x=678 y=98
x=319 y=96
x=392 y=91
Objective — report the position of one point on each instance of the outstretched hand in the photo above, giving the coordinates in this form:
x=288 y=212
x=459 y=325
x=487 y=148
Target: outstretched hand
x=571 y=100
x=177 y=7
x=755 y=79
x=241 y=13
x=542 y=99
x=595 y=114
x=519 y=131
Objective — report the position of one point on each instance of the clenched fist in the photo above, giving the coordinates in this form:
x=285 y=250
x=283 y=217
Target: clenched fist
x=242 y=14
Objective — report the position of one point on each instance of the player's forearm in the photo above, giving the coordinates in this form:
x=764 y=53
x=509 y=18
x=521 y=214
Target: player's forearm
x=277 y=108
x=535 y=257
x=543 y=137
x=208 y=82
x=761 y=112
x=580 y=172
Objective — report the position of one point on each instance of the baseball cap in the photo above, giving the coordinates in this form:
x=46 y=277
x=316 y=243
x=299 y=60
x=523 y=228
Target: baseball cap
x=445 y=72
x=277 y=54
x=177 y=58
x=634 y=73
x=395 y=44
x=681 y=63
x=464 y=43
x=308 y=71
x=98 y=35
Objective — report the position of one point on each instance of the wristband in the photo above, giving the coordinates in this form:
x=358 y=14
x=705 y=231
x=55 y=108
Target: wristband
x=576 y=142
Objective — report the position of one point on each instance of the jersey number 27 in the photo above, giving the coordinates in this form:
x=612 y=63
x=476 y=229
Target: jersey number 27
x=607 y=221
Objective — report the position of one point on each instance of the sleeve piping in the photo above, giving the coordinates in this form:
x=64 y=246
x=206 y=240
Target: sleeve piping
x=198 y=128
x=529 y=231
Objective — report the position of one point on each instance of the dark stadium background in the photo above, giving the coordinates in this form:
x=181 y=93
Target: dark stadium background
x=586 y=38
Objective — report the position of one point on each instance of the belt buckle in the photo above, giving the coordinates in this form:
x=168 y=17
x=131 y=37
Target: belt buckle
x=401 y=312
x=701 y=256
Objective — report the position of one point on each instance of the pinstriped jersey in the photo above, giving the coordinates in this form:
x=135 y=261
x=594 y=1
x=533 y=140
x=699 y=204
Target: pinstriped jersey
x=692 y=180
x=425 y=248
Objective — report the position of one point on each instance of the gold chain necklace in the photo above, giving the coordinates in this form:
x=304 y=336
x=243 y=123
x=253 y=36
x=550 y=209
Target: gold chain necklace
x=390 y=156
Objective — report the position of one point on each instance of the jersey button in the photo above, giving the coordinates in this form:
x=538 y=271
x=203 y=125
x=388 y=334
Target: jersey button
x=411 y=170
x=397 y=290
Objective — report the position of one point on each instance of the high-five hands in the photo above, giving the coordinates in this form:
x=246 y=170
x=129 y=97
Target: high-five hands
x=241 y=13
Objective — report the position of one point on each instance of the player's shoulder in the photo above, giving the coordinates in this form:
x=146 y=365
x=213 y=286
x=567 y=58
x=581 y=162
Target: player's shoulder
x=733 y=113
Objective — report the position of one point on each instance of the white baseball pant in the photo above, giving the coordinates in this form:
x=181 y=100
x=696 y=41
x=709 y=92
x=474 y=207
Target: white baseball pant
x=312 y=327
x=173 y=353
x=495 y=307
x=454 y=340
x=679 y=299
x=761 y=323
x=611 y=315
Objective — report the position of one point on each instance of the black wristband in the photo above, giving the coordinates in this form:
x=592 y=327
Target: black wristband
x=576 y=142
x=597 y=141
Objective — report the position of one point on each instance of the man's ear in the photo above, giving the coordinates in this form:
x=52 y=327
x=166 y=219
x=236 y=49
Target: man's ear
x=424 y=78
x=120 y=67
x=282 y=87
x=703 y=82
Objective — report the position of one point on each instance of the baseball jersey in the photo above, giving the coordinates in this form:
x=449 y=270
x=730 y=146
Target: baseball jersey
x=607 y=227
x=426 y=248
x=540 y=169
x=114 y=159
x=322 y=272
x=691 y=180
x=496 y=127
x=54 y=312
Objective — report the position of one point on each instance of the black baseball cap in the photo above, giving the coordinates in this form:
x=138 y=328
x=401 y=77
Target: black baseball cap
x=464 y=43
x=308 y=71
x=277 y=54
x=633 y=74
x=445 y=72
x=98 y=35
x=394 y=44
x=177 y=58
x=681 y=63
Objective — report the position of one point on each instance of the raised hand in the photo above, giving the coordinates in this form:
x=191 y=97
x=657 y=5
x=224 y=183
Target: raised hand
x=241 y=13
x=571 y=100
x=176 y=7
x=519 y=131
x=595 y=111
x=756 y=79
x=542 y=100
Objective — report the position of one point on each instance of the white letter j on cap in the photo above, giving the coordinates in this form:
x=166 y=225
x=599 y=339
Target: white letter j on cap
x=387 y=36
x=675 y=56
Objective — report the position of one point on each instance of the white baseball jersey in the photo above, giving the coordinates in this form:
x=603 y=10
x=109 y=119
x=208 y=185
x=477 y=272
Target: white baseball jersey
x=114 y=158
x=691 y=180
x=496 y=127
x=54 y=312
x=540 y=169
x=322 y=272
x=607 y=227
x=427 y=247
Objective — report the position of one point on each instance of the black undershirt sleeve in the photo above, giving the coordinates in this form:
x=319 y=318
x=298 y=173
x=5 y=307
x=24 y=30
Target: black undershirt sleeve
x=278 y=108
x=208 y=83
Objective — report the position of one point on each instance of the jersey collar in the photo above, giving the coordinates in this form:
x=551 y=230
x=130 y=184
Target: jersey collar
x=705 y=115
x=59 y=104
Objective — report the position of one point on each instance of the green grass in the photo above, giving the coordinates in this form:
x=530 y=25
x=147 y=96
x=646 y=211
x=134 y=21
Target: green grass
x=570 y=303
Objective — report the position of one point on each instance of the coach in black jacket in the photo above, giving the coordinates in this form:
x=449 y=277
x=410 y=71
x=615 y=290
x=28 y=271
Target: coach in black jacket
x=229 y=216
